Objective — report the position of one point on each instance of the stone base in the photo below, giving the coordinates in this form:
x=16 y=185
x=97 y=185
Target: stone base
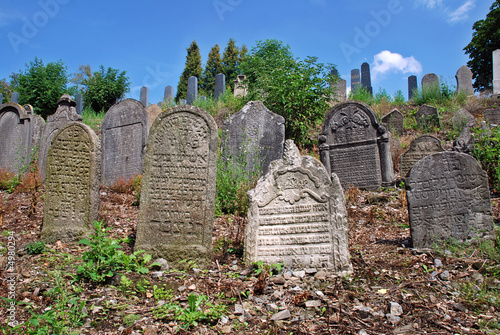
x=496 y=86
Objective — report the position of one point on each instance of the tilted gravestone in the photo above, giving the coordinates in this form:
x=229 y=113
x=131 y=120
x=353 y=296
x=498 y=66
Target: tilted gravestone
x=220 y=85
x=356 y=147
x=72 y=184
x=178 y=187
x=144 y=96
x=254 y=136
x=420 y=147
x=355 y=80
x=464 y=80
x=466 y=140
x=297 y=216
x=366 y=81
x=65 y=113
x=394 y=122
x=124 y=134
x=153 y=111
x=79 y=104
x=412 y=86
x=448 y=197
x=240 y=86
x=430 y=81
x=492 y=116
x=427 y=117
x=460 y=119
x=192 y=90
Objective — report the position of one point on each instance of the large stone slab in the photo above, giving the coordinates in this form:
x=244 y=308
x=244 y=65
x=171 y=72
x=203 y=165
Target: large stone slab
x=124 y=135
x=430 y=81
x=394 y=122
x=464 y=80
x=297 y=216
x=340 y=88
x=355 y=79
x=448 y=197
x=72 y=184
x=220 y=85
x=496 y=71
x=192 y=90
x=492 y=116
x=461 y=119
x=366 y=80
x=412 y=86
x=427 y=117
x=178 y=187
x=255 y=136
x=420 y=147
x=356 y=147
x=153 y=111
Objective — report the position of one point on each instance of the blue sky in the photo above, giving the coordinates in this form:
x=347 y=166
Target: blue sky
x=149 y=38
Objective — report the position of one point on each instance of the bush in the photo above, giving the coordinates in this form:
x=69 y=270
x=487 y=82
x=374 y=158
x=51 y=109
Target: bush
x=8 y=181
x=35 y=248
x=487 y=152
x=361 y=94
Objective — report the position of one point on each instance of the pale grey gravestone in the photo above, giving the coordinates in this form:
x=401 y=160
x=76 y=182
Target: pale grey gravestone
x=460 y=119
x=220 y=85
x=37 y=125
x=65 y=113
x=183 y=101
x=72 y=184
x=255 y=136
x=124 y=135
x=492 y=116
x=464 y=80
x=366 y=80
x=394 y=122
x=339 y=86
x=430 y=81
x=176 y=212
x=153 y=112
x=412 y=86
x=14 y=97
x=79 y=104
x=355 y=80
x=420 y=147
x=240 y=86
x=448 y=197
x=297 y=216
x=168 y=94
x=496 y=71
x=466 y=140
x=192 y=90
x=144 y=96
x=427 y=117
x=356 y=147
x=1 y=98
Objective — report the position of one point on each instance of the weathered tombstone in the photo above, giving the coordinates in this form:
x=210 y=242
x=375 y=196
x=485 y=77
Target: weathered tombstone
x=124 y=133
x=297 y=216
x=1 y=98
x=72 y=184
x=420 y=147
x=153 y=111
x=460 y=119
x=466 y=140
x=192 y=90
x=168 y=94
x=448 y=197
x=37 y=125
x=240 y=86
x=79 y=104
x=427 y=117
x=339 y=86
x=14 y=97
x=464 y=80
x=220 y=85
x=492 y=116
x=356 y=147
x=144 y=96
x=412 y=86
x=254 y=135
x=394 y=122
x=178 y=187
x=355 y=80
x=496 y=71
x=65 y=113
x=366 y=81
x=430 y=81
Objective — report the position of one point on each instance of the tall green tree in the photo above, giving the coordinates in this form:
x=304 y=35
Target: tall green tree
x=230 y=62
x=485 y=39
x=192 y=68
x=212 y=68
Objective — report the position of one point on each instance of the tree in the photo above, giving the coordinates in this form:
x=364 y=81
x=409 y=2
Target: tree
x=192 y=68
x=212 y=68
x=485 y=39
x=230 y=62
x=5 y=90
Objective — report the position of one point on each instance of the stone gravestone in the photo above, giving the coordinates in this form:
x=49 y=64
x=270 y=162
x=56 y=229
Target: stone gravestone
x=37 y=126
x=14 y=97
x=254 y=135
x=427 y=116
x=168 y=95
x=492 y=116
x=144 y=96
x=356 y=147
x=355 y=80
x=430 y=81
x=464 y=80
x=412 y=86
x=366 y=81
x=153 y=111
x=124 y=134
x=178 y=187
x=79 y=104
x=183 y=102
x=466 y=140
x=448 y=197
x=297 y=216
x=460 y=119
x=220 y=85
x=1 y=98
x=339 y=86
x=394 y=122
x=420 y=147
x=240 y=86
x=72 y=184
x=192 y=90
x=496 y=71
x=65 y=113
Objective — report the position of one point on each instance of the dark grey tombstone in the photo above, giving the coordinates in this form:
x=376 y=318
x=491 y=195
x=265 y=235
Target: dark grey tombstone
x=427 y=117
x=124 y=134
x=492 y=116
x=420 y=147
x=1 y=98
x=220 y=85
x=430 y=82
x=356 y=147
x=65 y=113
x=448 y=197
x=394 y=122
x=37 y=126
x=464 y=80
x=339 y=86
x=412 y=86
x=192 y=90
x=176 y=212
x=14 y=97
x=168 y=94
x=255 y=136
x=460 y=119
x=355 y=80
x=366 y=80
x=79 y=104
x=144 y=96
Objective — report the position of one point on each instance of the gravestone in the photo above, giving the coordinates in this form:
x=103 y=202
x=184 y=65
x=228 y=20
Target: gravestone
x=124 y=135
x=220 y=85
x=448 y=197
x=394 y=122
x=65 y=113
x=168 y=94
x=427 y=117
x=153 y=111
x=178 y=187
x=356 y=147
x=366 y=81
x=255 y=136
x=297 y=216
x=340 y=87
x=144 y=96
x=192 y=90
x=412 y=86
x=72 y=184
x=355 y=80
x=240 y=86
x=496 y=71
x=492 y=116
x=430 y=81
x=1 y=98
x=464 y=80
x=37 y=125
x=183 y=102
x=466 y=140
x=14 y=97
x=79 y=104
x=460 y=119
x=420 y=147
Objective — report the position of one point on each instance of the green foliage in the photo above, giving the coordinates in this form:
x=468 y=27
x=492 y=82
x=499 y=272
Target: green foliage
x=160 y=293
x=361 y=94
x=444 y=95
x=93 y=119
x=8 y=181
x=382 y=96
x=487 y=152
x=5 y=90
x=259 y=266
x=231 y=60
x=226 y=103
x=192 y=68
x=35 y=248
x=485 y=39
x=399 y=98
x=212 y=68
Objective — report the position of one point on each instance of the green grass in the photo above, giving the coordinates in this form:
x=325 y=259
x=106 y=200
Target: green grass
x=93 y=119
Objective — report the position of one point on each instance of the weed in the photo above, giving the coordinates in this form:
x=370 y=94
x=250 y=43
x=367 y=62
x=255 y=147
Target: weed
x=130 y=319
x=487 y=152
x=35 y=248
x=93 y=119
x=160 y=293
x=8 y=181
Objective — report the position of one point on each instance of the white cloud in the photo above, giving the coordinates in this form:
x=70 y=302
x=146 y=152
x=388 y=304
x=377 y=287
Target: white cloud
x=387 y=61
x=451 y=16
x=8 y=18
x=430 y=3
x=461 y=13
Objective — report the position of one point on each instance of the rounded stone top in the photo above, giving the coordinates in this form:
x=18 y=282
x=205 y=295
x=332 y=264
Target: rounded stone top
x=66 y=98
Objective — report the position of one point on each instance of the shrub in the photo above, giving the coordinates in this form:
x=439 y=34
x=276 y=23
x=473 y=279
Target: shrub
x=487 y=152
x=361 y=94
x=8 y=180
x=35 y=248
